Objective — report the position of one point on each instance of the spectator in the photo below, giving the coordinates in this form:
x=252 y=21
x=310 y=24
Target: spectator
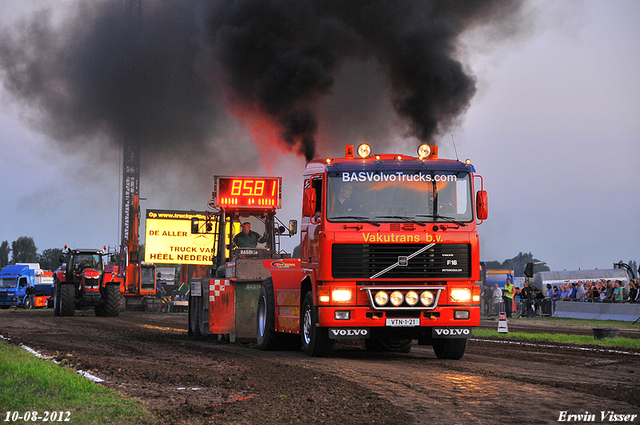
x=580 y=292
x=566 y=292
x=526 y=296
x=589 y=291
x=637 y=297
x=609 y=292
x=487 y=294
x=549 y=291
x=633 y=292
x=507 y=295
x=618 y=292
x=557 y=296
x=497 y=294
x=31 y=292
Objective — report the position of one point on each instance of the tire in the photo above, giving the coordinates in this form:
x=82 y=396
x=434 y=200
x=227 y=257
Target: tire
x=266 y=336
x=195 y=311
x=67 y=300
x=388 y=345
x=449 y=348
x=56 y=299
x=315 y=340
x=111 y=304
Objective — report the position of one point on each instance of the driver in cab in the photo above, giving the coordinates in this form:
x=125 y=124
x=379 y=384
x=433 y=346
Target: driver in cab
x=247 y=238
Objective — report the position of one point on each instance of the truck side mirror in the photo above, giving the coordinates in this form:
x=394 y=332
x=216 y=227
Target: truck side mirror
x=309 y=202
x=482 y=208
x=293 y=227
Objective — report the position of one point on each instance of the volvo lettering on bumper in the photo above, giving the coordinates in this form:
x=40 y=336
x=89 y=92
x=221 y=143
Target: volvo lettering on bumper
x=451 y=332
x=351 y=333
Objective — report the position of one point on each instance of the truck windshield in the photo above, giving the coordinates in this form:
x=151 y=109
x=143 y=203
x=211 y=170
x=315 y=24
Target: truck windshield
x=8 y=282
x=399 y=196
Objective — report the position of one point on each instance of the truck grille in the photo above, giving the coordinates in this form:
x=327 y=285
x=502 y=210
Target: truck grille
x=363 y=261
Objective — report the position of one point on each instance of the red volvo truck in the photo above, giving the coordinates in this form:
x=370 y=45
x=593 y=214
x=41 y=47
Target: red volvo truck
x=389 y=254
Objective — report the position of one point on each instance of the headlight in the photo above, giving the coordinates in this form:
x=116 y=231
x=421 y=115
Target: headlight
x=381 y=298
x=426 y=298
x=460 y=295
x=341 y=295
x=411 y=298
x=396 y=298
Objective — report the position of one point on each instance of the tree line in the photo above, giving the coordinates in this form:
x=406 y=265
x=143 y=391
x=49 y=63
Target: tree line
x=23 y=250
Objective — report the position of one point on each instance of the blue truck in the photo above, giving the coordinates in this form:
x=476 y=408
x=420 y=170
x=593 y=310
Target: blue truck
x=16 y=278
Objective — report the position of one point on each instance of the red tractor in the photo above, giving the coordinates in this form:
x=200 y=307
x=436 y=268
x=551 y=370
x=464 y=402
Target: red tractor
x=81 y=283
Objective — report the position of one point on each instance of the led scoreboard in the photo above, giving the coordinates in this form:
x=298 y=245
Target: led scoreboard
x=247 y=192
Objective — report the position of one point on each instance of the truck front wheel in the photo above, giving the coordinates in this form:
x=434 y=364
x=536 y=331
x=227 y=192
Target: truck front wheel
x=315 y=340
x=449 y=348
x=67 y=300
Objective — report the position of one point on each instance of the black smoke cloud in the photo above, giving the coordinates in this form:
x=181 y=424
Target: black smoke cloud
x=281 y=55
x=87 y=76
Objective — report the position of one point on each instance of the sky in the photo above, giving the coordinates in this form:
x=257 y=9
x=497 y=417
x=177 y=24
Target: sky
x=553 y=128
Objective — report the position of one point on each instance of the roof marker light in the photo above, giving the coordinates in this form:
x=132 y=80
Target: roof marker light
x=364 y=150
x=424 y=151
x=467 y=161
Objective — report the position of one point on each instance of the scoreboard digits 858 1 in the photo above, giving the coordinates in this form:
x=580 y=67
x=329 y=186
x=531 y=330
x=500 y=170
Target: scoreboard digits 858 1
x=247 y=192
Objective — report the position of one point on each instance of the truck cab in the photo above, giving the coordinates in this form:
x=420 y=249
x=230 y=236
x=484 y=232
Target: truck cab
x=16 y=278
x=389 y=254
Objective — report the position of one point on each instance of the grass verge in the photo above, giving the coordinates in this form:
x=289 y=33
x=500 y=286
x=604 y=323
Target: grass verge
x=30 y=384
x=562 y=338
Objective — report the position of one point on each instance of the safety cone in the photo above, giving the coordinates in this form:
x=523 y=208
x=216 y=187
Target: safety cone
x=502 y=324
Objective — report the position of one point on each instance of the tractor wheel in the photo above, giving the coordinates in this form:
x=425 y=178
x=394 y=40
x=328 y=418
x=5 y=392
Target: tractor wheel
x=67 y=300
x=315 y=340
x=56 y=299
x=449 y=348
x=111 y=304
x=267 y=337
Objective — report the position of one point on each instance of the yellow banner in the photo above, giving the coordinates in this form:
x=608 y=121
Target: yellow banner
x=168 y=238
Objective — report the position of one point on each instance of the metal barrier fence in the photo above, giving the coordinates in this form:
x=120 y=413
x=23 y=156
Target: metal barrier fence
x=523 y=308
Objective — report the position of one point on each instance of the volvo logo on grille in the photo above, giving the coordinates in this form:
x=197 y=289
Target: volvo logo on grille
x=403 y=260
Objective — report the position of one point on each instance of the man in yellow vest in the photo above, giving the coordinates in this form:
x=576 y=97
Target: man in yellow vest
x=507 y=295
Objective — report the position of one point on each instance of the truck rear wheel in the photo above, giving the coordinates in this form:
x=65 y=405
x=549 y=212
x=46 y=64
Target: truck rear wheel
x=315 y=340
x=449 y=348
x=67 y=301
x=266 y=336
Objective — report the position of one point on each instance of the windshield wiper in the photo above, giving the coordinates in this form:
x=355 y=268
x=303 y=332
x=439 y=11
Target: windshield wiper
x=443 y=217
x=356 y=217
x=400 y=217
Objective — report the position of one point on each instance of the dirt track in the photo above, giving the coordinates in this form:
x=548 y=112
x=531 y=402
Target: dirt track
x=148 y=356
